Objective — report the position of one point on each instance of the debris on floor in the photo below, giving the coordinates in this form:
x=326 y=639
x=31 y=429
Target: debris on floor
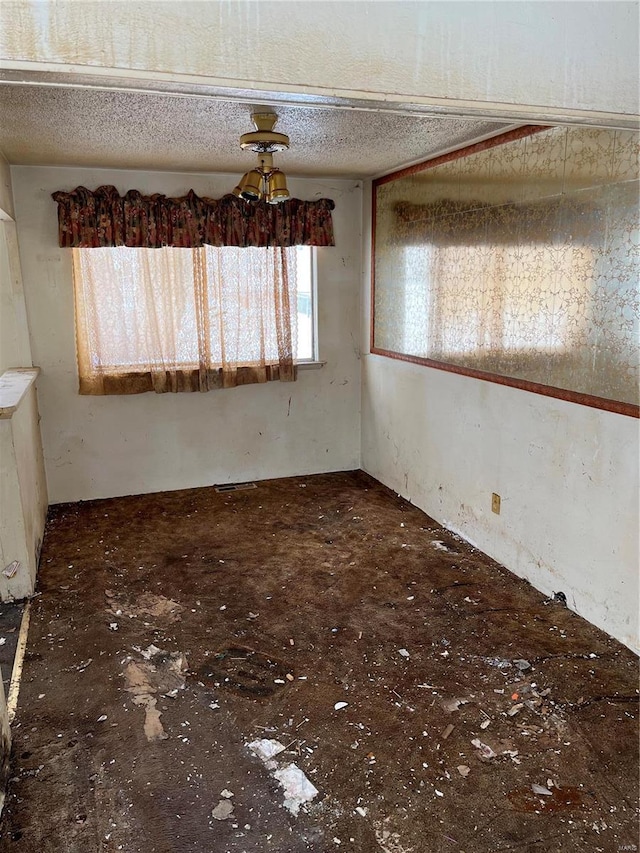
x=266 y=750
x=146 y=604
x=159 y=672
x=223 y=810
x=298 y=790
x=509 y=724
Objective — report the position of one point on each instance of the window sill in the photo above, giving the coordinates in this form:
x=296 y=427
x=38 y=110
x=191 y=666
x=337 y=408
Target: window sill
x=310 y=365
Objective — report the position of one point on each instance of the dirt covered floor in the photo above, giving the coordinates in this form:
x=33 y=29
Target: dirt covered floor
x=400 y=691
x=10 y=616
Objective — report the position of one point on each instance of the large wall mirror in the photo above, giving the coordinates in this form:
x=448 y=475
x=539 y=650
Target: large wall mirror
x=516 y=260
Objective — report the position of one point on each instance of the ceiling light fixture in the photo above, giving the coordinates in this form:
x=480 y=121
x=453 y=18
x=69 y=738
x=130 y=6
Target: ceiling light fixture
x=264 y=182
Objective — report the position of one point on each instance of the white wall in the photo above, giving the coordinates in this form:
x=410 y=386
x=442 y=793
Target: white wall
x=567 y=475
x=15 y=349
x=6 y=194
x=558 y=56
x=23 y=495
x=27 y=445
x=106 y=446
x=23 y=491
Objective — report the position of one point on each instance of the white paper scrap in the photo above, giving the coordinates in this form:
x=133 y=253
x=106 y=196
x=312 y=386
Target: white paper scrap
x=297 y=788
x=266 y=749
x=11 y=569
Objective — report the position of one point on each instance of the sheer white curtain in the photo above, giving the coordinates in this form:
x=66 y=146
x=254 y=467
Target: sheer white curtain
x=175 y=319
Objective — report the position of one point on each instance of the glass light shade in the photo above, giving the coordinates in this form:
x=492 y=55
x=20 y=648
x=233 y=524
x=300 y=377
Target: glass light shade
x=277 y=187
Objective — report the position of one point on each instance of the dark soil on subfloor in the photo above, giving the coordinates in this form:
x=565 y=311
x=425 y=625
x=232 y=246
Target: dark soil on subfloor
x=10 y=618
x=434 y=700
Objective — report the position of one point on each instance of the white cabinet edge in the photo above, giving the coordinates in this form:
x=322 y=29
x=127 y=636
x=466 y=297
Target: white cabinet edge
x=14 y=384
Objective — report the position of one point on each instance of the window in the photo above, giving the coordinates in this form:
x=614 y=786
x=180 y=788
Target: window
x=306 y=304
x=191 y=319
x=190 y=293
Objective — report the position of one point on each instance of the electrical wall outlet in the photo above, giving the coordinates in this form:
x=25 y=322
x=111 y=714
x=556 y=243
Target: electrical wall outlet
x=495 y=503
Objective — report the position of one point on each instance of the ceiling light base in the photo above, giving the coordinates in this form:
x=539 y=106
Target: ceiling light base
x=264 y=140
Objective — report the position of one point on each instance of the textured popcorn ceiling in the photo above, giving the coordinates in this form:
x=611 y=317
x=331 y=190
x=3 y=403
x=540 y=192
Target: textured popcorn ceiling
x=117 y=129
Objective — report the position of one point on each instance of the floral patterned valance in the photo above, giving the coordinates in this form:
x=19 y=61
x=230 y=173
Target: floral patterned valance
x=103 y=217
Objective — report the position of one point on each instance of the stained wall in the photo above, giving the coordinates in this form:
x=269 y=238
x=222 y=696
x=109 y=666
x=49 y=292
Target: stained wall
x=23 y=490
x=558 y=56
x=99 y=447
x=15 y=349
x=567 y=475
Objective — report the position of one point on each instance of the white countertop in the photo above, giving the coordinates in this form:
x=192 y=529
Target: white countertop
x=14 y=384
